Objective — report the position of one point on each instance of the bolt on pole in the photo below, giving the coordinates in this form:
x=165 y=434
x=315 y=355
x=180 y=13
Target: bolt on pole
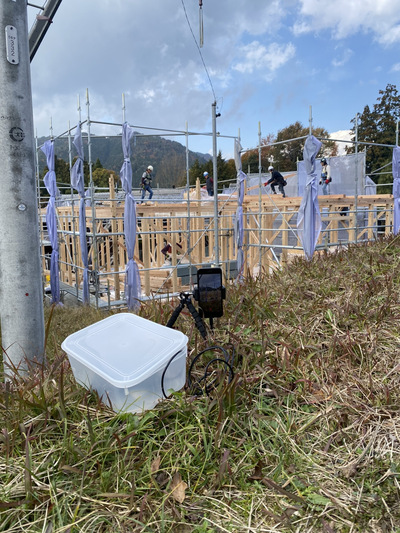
x=21 y=292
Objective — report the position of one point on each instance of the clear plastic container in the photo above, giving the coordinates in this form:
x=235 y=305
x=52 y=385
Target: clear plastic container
x=128 y=360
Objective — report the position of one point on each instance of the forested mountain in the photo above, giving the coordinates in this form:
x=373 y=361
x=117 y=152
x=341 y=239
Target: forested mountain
x=167 y=157
x=377 y=131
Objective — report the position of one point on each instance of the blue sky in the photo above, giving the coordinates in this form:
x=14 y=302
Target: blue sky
x=268 y=62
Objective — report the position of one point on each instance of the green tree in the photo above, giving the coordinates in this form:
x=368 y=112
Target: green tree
x=231 y=168
x=97 y=164
x=62 y=171
x=225 y=169
x=63 y=177
x=172 y=170
x=195 y=172
x=378 y=126
x=286 y=155
x=250 y=162
x=250 y=159
x=101 y=177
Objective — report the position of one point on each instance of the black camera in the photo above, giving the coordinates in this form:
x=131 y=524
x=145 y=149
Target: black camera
x=210 y=292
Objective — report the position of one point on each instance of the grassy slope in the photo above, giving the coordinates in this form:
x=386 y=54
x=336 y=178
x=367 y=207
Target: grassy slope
x=305 y=438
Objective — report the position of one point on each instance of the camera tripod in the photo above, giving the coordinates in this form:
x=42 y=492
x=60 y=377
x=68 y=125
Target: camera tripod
x=185 y=300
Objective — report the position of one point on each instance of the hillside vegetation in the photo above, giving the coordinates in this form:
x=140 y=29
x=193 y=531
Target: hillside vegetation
x=166 y=156
x=304 y=438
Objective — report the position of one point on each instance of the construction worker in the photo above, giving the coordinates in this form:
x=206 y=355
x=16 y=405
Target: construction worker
x=209 y=183
x=276 y=179
x=146 y=182
x=325 y=176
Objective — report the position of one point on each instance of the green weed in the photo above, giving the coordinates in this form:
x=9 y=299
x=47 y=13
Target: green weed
x=304 y=436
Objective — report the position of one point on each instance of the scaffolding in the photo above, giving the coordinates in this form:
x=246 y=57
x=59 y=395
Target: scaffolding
x=183 y=229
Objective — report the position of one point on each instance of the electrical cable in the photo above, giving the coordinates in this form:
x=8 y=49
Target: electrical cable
x=208 y=388
x=164 y=372
x=198 y=48
x=227 y=361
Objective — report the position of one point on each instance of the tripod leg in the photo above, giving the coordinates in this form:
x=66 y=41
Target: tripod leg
x=197 y=318
x=175 y=315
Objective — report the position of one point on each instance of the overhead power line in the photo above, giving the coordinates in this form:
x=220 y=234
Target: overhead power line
x=198 y=48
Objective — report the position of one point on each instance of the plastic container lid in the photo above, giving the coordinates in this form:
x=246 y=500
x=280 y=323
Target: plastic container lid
x=124 y=349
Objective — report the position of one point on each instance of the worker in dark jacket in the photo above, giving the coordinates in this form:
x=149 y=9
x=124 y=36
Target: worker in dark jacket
x=209 y=183
x=276 y=179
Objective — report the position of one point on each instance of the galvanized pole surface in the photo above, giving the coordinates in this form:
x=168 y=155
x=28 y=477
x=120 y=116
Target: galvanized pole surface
x=259 y=200
x=95 y=260
x=188 y=241
x=21 y=293
x=215 y=178
x=356 y=179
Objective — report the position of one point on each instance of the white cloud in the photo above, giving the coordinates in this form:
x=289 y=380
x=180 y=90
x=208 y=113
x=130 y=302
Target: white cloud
x=146 y=51
x=343 y=59
x=246 y=16
x=344 y=18
x=395 y=68
x=301 y=27
x=391 y=35
x=342 y=135
x=257 y=57
x=61 y=111
x=146 y=95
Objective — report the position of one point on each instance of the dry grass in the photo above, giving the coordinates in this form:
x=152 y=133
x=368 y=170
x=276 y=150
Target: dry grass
x=306 y=438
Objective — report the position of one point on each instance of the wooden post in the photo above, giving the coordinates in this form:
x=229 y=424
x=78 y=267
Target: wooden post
x=63 y=253
x=335 y=224
x=245 y=246
x=114 y=228
x=352 y=222
x=159 y=242
x=194 y=236
x=146 y=255
x=267 y=235
x=388 y=228
x=198 y=190
x=152 y=241
x=173 y=253
x=200 y=235
x=224 y=236
x=211 y=238
x=370 y=221
x=285 y=233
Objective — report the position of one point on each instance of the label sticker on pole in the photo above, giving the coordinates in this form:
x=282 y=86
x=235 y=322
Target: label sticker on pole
x=12 y=45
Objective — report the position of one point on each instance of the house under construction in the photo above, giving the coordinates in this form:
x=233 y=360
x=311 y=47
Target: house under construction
x=176 y=237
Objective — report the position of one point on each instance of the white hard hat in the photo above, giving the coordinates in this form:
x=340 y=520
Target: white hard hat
x=205 y=174
x=150 y=168
x=270 y=167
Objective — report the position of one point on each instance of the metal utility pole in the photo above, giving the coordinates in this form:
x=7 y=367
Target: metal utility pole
x=356 y=179
x=21 y=294
x=260 y=235
x=215 y=178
